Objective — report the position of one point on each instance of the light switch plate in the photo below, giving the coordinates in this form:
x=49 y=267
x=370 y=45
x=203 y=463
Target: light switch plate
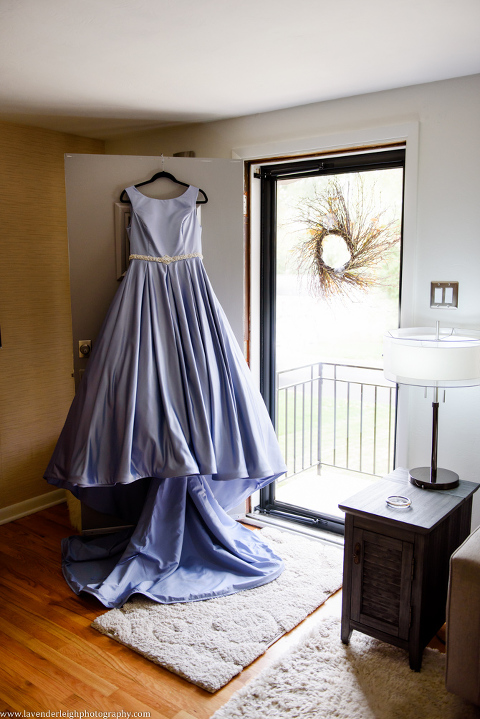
x=444 y=295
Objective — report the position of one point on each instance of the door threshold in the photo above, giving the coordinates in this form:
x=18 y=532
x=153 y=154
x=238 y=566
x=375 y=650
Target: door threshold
x=256 y=519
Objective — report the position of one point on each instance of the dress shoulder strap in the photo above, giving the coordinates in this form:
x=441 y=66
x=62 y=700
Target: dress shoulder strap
x=190 y=195
x=132 y=193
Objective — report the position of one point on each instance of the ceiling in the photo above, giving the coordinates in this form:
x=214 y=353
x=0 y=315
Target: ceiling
x=103 y=67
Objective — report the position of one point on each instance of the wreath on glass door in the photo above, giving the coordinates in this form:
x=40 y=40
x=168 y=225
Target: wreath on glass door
x=346 y=240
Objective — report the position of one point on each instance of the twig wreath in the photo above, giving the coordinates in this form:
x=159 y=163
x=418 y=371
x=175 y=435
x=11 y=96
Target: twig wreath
x=355 y=219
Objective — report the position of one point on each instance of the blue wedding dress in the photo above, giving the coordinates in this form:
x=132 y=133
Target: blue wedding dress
x=167 y=430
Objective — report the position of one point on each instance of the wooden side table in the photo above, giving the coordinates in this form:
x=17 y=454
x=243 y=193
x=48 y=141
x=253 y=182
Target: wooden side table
x=396 y=561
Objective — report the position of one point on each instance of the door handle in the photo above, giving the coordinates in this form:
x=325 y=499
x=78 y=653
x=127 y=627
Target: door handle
x=84 y=348
x=356 y=553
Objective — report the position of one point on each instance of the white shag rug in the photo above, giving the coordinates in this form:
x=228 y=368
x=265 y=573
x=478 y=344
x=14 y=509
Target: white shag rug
x=209 y=642
x=321 y=678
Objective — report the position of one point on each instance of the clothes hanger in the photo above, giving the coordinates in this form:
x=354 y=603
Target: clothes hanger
x=168 y=176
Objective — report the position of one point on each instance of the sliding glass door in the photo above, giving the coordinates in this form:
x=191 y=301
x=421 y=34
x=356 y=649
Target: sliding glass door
x=331 y=275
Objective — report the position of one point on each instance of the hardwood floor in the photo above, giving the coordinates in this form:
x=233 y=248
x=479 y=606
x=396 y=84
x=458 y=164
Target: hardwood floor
x=52 y=660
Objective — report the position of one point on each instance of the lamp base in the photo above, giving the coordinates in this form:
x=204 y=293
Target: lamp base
x=421 y=477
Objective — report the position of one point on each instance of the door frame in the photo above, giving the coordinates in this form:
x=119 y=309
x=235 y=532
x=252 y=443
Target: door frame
x=332 y=163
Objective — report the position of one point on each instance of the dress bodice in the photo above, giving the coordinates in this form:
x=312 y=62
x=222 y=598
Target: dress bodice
x=164 y=227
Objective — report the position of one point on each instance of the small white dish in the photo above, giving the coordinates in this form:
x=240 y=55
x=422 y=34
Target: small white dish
x=399 y=502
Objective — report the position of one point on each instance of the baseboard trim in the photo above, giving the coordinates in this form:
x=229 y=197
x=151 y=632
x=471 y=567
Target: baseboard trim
x=30 y=506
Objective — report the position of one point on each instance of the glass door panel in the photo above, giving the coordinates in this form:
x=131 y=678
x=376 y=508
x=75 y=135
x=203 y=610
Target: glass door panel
x=335 y=292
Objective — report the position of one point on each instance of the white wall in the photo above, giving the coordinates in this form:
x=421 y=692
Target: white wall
x=447 y=243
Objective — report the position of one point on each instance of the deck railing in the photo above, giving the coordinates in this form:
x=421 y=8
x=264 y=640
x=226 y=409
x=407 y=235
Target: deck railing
x=336 y=415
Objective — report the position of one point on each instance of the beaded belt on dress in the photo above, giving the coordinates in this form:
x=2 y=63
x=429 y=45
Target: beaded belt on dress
x=166 y=259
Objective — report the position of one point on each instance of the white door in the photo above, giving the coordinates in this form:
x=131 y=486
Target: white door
x=93 y=186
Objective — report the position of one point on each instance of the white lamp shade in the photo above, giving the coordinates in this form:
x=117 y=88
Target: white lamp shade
x=417 y=356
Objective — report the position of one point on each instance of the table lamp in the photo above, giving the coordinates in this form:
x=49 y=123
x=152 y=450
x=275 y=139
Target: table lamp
x=438 y=358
